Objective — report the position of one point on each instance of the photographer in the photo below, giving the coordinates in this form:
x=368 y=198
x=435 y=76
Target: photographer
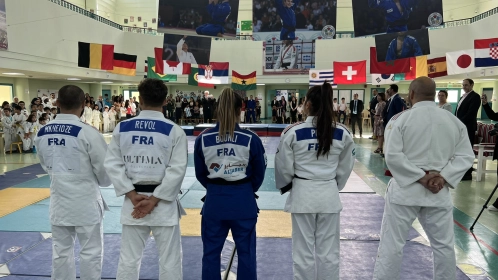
x=493 y=116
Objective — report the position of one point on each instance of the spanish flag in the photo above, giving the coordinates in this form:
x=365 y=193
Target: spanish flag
x=243 y=82
x=95 y=56
x=125 y=64
x=437 y=67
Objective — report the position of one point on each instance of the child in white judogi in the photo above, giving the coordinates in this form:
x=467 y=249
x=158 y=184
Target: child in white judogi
x=112 y=119
x=29 y=133
x=106 y=119
x=96 y=117
x=87 y=113
x=9 y=130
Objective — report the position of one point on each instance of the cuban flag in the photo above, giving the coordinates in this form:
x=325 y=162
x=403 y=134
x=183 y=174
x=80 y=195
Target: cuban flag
x=215 y=73
x=317 y=77
x=486 y=52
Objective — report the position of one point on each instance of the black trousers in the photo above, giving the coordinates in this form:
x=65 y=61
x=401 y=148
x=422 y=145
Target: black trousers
x=207 y=116
x=356 y=119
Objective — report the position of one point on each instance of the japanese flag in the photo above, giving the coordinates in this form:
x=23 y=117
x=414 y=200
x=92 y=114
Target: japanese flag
x=460 y=62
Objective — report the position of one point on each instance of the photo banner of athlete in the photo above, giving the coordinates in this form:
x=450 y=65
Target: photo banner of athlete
x=288 y=57
x=215 y=18
x=390 y=16
x=187 y=49
x=288 y=17
x=402 y=45
x=4 y=42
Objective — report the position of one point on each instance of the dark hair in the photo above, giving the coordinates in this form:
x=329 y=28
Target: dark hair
x=343 y=98
x=153 y=92
x=394 y=88
x=445 y=92
x=87 y=102
x=471 y=82
x=7 y=109
x=42 y=119
x=21 y=102
x=5 y=103
x=70 y=97
x=46 y=108
x=382 y=95
x=324 y=119
x=17 y=107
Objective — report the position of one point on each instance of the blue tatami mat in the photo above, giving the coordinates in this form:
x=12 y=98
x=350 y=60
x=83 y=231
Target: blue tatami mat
x=20 y=175
x=13 y=244
x=42 y=182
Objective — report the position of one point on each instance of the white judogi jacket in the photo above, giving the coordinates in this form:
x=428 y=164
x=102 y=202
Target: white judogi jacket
x=425 y=138
x=327 y=175
x=183 y=56
x=288 y=54
x=73 y=154
x=87 y=113
x=9 y=126
x=149 y=150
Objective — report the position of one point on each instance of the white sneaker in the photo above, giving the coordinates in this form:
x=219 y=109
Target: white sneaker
x=492 y=208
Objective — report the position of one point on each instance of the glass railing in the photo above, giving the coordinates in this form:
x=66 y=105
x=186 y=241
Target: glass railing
x=340 y=35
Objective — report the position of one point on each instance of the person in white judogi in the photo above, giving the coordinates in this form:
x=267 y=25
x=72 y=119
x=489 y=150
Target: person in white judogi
x=147 y=161
x=288 y=56
x=428 y=151
x=9 y=129
x=314 y=170
x=182 y=52
x=72 y=153
x=29 y=133
x=112 y=119
x=96 y=117
x=106 y=119
x=88 y=113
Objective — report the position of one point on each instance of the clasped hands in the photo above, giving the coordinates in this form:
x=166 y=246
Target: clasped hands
x=434 y=182
x=142 y=204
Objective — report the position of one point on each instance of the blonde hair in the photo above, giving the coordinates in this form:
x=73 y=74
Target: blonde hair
x=228 y=112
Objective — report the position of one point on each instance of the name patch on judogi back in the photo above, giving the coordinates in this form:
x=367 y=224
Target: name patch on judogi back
x=147 y=126
x=66 y=129
x=309 y=133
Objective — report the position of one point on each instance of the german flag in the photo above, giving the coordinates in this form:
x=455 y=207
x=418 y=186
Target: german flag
x=243 y=82
x=436 y=67
x=95 y=56
x=125 y=64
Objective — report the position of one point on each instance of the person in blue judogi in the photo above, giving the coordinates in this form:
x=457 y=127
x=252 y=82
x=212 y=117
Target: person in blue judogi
x=397 y=13
x=219 y=12
x=230 y=163
x=402 y=47
x=285 y=9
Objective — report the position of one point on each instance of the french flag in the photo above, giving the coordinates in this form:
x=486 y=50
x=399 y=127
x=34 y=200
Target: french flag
x=214 y=73
x=486 y=52
x=170 y=67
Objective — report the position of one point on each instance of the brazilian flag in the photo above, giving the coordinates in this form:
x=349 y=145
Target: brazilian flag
x=151 y=66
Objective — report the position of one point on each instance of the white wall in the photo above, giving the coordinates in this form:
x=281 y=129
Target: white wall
x=147 y=9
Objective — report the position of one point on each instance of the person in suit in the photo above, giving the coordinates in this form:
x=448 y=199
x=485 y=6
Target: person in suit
x=394 y=104
x=356 y=108
x=373 y=103
x=493 y=116
x=466 y=112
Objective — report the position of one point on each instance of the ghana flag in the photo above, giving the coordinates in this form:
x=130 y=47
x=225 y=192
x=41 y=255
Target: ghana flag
x=125 y=64
x=95 y=56
x=243 y=82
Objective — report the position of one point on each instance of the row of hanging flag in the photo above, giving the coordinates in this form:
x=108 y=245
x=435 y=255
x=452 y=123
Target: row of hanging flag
x=103 y=57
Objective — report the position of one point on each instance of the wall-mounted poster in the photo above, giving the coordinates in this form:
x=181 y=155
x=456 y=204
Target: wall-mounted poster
x=154 y=20
x=139 y=19
x=405 y=44
x=4 y=42
x=215 y=18
x=126 y=21
x=391 y=16
x=289 y=17
x=145 y=24
x=188 y=49
x=132 y=19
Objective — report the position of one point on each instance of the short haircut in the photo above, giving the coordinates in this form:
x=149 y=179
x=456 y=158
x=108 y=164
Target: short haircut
x=471 y=82
x=394 y=88
x=7 y=109
x=17 y=107
x=46 y=108
x=343 y=98
x=21 y=102
x=445 y=92
x=71 y=97
x=153 y=92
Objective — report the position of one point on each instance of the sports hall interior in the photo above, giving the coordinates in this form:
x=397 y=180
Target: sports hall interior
x=42 y=54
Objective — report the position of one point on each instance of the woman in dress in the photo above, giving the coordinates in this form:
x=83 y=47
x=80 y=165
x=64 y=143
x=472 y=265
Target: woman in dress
x=379 y=122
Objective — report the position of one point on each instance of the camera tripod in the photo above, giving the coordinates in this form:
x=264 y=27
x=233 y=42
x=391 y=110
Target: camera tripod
x=483 y=207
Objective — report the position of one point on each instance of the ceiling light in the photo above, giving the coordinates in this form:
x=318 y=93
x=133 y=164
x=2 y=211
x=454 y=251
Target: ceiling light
x=488 y=79
x=106 y=82
x=73 y=79
x=260 y=84
x=14 y=74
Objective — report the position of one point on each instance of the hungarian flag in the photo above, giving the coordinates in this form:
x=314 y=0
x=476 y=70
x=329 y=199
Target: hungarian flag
x=460 y=62
x=486 y=52
x=349 y=73
x=243 y=82
x=387 y=67
x=193 y=79
x=124 y=64
x=95 y=56
x=168 y=66
x=436 y=67
x=214 y=73
x=418 y=68
x=151 y=73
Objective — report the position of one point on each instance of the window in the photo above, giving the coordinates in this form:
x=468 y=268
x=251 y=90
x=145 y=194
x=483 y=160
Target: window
x=6 y=93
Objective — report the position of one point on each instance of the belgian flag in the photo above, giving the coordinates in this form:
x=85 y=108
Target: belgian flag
x=125 y=64
x=95 y=56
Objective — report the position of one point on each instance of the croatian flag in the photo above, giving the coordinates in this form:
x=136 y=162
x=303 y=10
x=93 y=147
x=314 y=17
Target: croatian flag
x=318 y=77
x=214 y=73
x=486 y=52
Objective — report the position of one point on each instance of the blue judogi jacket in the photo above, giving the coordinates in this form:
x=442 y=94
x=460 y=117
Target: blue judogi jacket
x=410 y=48
x=287 y=15
x=395 y=19
x=219 y=12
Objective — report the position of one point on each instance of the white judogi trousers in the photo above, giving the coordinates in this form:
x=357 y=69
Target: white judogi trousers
x=91 y=240
x=106 y=126
x=315 y=246
x=168 y=242
x=9 y=138
x=27 y=143
x=438 y=225
x=242 y=116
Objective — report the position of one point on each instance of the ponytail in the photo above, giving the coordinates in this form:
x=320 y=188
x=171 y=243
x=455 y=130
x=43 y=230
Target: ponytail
x=228 y=112
x=322 y=108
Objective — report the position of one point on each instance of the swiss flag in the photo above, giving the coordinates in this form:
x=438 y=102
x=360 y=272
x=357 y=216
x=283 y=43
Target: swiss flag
x=349 y=73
